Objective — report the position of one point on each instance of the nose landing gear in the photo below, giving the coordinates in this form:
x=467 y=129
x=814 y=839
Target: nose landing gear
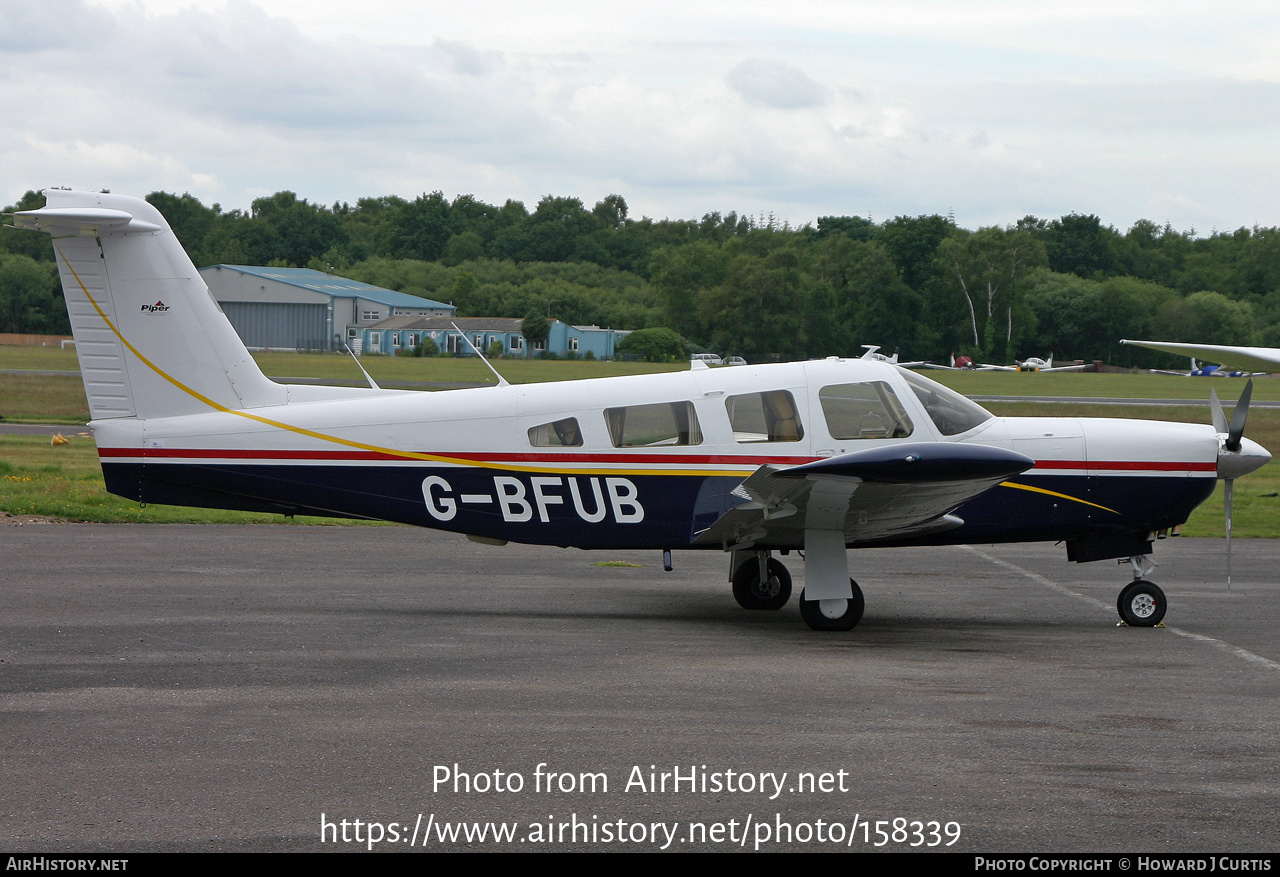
x=1142 y=603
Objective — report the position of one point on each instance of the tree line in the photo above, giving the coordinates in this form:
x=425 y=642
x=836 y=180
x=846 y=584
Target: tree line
x=739 y=284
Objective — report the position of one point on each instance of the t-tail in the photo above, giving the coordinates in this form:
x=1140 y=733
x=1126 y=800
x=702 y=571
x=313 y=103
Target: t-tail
x=151 y=339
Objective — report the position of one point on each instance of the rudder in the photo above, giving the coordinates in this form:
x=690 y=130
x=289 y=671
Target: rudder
x=151 y=339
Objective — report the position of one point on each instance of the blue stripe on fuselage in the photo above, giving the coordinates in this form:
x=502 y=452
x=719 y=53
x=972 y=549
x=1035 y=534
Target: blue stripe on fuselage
x=628 y=510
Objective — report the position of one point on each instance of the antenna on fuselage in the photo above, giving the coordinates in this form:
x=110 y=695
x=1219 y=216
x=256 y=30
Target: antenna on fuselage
x=367 y=376
x=502 y=382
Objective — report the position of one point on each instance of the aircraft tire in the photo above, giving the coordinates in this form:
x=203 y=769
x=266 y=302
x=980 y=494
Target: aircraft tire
x=819 y=617
x=1142 y=604
x=751 y=594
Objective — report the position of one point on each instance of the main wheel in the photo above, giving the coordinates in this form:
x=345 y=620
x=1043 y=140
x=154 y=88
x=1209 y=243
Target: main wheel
x=1142 y=604
x=838 y=614
x=751 y=593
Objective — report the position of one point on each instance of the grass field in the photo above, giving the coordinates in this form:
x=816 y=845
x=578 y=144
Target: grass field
x=42 y=399
x=389 y=369
x=66 y=482
x=1125 y=386
x=39 y=398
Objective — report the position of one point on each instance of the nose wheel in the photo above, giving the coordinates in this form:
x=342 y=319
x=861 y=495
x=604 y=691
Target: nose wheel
x=1142 y=604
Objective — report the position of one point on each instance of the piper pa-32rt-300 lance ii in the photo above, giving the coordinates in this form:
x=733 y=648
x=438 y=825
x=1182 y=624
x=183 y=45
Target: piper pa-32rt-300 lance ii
x=814 y=457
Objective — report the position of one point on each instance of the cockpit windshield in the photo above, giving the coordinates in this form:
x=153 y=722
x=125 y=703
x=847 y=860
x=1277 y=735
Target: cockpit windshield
x=950 y=412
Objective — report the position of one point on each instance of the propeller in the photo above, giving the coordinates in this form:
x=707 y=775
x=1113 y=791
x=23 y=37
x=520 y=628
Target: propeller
x=1238 y=417
x=1215 y=411
x=1232 y=443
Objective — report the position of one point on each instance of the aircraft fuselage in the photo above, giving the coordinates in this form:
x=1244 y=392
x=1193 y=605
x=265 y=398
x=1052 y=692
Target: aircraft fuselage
x=487 y=462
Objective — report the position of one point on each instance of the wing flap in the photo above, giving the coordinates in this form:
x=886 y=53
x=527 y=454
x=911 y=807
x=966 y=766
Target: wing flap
x=881 y=492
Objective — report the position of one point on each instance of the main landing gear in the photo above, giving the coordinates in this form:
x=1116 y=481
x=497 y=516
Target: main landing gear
x=1142 y=603
x=763 y=582
x=840 y=614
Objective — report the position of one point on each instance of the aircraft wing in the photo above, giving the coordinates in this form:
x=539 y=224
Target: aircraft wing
x=1262 y=359
x=886 y=491
x=1066 y=368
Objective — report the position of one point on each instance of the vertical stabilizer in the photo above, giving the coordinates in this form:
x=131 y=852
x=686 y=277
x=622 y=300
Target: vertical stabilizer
x=152 y=341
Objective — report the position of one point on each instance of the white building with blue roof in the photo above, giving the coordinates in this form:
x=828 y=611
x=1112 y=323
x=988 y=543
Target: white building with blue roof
x=304 y=309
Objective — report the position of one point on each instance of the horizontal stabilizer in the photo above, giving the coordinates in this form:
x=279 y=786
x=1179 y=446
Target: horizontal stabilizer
x=87 y=219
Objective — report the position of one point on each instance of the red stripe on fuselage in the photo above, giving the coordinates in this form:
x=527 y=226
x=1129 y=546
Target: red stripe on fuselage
x=326 y=456
x=575 y=458
x=1127 y=465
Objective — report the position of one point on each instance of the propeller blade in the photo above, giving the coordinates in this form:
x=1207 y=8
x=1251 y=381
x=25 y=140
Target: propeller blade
x=1229 y=490
x=1238 y=417
x=1215 y=411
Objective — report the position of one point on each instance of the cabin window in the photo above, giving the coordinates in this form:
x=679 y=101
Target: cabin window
x=561 y=434
x=764 y=417
x=647 y=426
x=864 y=411
x=950 y=412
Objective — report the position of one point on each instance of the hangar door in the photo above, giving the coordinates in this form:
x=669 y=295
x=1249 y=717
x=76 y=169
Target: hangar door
x=276 y=324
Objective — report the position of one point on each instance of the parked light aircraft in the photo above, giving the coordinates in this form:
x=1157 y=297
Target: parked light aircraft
x=1030 y=364
x=813 y=456
x=1258 y=360
x=956 y=363
x=872 y=352
x=1201 y=370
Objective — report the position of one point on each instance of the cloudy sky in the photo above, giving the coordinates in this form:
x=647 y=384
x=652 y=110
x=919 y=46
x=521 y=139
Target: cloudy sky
x=986 y=109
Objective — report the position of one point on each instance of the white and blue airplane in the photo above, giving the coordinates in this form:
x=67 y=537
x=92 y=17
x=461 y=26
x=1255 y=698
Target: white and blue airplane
x=817 y=457
x=1234 y=362
x=1202 y=370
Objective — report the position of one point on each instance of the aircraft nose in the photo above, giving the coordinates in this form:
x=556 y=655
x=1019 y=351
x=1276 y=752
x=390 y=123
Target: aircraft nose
x=1251 y=457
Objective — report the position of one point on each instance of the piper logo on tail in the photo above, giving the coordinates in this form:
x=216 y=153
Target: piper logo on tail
x=157 y=308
